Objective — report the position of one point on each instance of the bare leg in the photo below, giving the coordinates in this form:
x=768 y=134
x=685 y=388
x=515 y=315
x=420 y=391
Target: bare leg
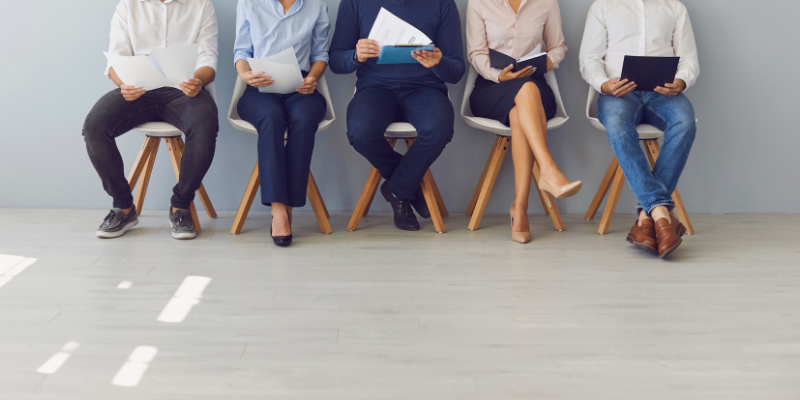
x=523 y=171
x=657 y=213
x=533 y=121
x=280 y=220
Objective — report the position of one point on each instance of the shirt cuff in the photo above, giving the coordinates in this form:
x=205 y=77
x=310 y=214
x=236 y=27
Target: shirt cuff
x=206 y=63
x=325 y=58
x=686 y=77
x=598 y=81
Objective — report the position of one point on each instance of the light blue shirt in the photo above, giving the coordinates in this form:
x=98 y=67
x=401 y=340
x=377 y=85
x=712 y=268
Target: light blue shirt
x=263 y=30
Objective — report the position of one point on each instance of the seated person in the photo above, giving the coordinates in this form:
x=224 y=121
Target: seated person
x=415 y=93
x=137 y=27
x=614 y=29
x=264 y=29
x=520 y=100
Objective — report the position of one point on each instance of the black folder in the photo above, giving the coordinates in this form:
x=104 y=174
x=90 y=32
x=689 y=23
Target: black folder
x=500 y=61
x=650 y=72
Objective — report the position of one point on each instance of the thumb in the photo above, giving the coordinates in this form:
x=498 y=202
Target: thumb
x=508 y=68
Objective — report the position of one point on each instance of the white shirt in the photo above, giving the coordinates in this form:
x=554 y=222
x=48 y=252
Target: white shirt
x=616 y=28
x=141 y=25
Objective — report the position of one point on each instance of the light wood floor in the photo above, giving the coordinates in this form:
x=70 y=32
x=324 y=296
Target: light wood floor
x=385 y=314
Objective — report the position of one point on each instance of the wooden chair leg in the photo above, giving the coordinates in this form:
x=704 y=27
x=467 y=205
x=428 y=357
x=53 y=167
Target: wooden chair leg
x=474 y=200
x=366 y=199
x=141 y=160
x=141 y=191
x=603 y=189
x=549 y=201
x=611 y=203
x=315 y=198
x=437 y=195
x=201 y=192
x=653 y=149
x=496 y=158
x=430 y=198
x=175 y=156
x=247 y=202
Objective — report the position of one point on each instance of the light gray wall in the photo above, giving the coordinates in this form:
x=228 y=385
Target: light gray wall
x=744 y=159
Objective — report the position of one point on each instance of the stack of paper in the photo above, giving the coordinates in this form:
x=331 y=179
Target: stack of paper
x=389 y=30
x=166 y=67
x=282 y=68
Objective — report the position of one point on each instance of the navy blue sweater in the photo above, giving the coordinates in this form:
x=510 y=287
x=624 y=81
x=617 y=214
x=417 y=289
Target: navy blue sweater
x=437 y=19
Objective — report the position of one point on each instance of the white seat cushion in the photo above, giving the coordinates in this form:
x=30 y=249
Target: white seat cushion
x=401 y=130
x=494 y=126
x=158 y=129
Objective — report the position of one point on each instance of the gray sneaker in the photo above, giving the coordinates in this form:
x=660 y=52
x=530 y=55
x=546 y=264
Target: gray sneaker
x=117 y=223
x=182 y=224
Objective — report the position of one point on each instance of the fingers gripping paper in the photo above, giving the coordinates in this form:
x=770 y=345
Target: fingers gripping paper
x=389 y=30
x=282 y=68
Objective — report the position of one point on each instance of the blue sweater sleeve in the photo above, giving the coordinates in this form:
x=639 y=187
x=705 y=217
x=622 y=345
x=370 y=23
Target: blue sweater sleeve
x=451 y=68
x=345 y=38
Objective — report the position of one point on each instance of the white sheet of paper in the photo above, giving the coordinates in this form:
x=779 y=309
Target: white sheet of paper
x=390 y=30
x=535 y=53
x=176 y=63
x=283 y=70
x=138 y=72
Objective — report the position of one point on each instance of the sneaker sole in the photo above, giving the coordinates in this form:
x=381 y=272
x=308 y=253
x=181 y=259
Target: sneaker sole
x=113 y=235
x=181 y=235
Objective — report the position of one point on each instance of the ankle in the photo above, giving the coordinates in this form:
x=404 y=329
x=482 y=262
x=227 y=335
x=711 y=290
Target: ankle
x=660 y=212
x=127 y=211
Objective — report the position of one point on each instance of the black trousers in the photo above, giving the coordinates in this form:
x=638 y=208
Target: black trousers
x=113 y=116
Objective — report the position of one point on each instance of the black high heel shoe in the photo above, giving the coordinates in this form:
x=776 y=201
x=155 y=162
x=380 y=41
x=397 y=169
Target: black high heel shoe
x=282 y=241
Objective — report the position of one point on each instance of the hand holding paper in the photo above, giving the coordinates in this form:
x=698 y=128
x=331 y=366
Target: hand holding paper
x=399 y=42
x=282 y=69
x=167 y=67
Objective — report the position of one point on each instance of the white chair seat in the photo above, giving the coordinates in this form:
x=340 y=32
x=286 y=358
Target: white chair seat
x=159 y=129
x=401 y=130
x=493 y=126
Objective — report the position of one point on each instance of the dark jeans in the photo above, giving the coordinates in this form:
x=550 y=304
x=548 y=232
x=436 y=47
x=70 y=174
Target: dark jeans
x=283 y=168
x=674 y=116
x=375 y=107
x=113 y=116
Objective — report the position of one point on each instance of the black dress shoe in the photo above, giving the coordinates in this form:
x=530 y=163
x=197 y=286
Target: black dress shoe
x=404 y=217
x=282 y=241
x=420 y=205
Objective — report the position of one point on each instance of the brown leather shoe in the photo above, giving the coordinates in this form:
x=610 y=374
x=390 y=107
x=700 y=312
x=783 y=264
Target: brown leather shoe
x=679 y=228
x=644 y=237
x=668 y=239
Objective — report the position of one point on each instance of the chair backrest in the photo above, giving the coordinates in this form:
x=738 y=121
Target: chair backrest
x=591 y=104
x=240 y=86
x=550 y=77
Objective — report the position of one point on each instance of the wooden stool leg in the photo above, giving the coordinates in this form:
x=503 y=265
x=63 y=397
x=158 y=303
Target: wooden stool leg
x=175 y=156
x=436 y=193
x=611 y=203
x=247 y=202
x=141 y=161
x=653 y=149
x=496 y=158
x=141 y=191
x=433 y=206
x=315 y=198
x=474 y=200
x=366 y=198
x=201 y=192
x=603 y=189
x=549 y=201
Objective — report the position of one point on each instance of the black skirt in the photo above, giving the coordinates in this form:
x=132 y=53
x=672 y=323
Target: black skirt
x=495 y=100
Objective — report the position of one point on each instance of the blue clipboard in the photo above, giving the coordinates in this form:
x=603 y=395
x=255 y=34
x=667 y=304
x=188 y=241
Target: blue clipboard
x=401 y=53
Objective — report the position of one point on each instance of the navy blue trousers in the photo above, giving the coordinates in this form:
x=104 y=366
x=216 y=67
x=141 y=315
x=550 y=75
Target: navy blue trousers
x=375 y=107
x=283 y=168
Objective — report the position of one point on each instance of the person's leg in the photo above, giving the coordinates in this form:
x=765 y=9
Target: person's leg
x=620 y=117
x=197 y=117
x=110 y=117
x=523 y=171
x=675 y=116
x=266 y=112
x=533 y=122
x=370 y=112
x=303 y=113
x=431 y=112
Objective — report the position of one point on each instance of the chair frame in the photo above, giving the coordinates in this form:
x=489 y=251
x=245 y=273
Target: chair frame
x=480 y=198
x=614 y=179
x=433 y=197
x=143 y=166
x=314 y=195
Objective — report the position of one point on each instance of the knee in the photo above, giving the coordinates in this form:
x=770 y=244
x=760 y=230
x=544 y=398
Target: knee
x=95 y=127
x=685 y=124
x=528 y=91
x=437 y=134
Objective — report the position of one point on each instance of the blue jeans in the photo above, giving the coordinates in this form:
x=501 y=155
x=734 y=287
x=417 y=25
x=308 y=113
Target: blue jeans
x=674 y=116
x=375 y=107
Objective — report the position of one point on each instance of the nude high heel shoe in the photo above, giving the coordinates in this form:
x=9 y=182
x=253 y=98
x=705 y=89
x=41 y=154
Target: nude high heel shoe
x=519 y=237
x=568 y=190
